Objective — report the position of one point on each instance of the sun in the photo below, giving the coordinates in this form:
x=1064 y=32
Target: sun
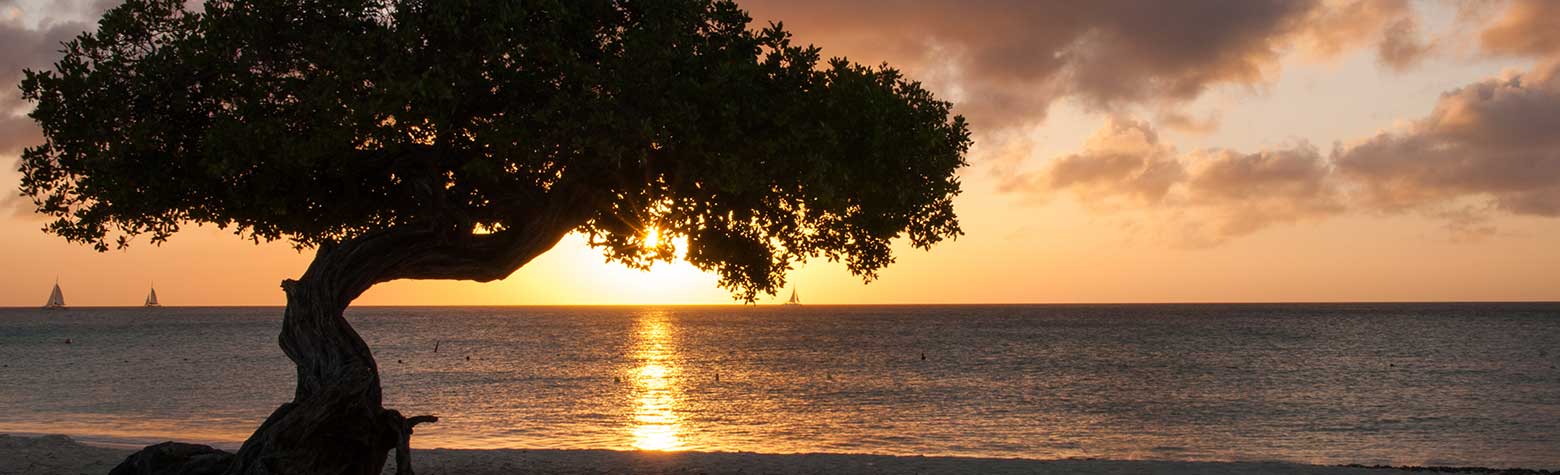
x=652 y=238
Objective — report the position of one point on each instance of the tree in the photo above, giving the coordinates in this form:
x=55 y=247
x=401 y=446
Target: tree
x=459 y=139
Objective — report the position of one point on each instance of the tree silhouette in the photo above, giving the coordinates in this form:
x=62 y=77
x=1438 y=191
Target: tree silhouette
x=459 y=139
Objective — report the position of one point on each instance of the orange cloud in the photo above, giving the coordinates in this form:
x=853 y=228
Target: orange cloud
x=1494 y=138
x=1123 y=160
x=1209 y=195
x=1525 y=28
x=1401 y=48
x=1241 y=193
x=1492 y=142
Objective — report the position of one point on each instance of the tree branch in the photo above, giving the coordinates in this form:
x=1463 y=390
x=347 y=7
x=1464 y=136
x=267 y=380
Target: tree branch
x=350 y=268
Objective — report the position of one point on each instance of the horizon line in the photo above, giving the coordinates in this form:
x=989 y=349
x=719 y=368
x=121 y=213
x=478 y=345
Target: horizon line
x=890 y=304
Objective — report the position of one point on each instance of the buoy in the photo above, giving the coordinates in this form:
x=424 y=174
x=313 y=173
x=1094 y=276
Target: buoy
x=923 y=356
x=468 y=358
x=67 y=341
x=399 y=361
x=717 y=377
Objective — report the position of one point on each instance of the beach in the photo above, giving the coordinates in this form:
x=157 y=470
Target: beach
x=61 y=455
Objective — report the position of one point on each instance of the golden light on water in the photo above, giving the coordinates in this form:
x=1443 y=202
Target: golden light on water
x=656 y=425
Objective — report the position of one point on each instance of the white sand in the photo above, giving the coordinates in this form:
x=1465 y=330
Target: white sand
x=57 y=454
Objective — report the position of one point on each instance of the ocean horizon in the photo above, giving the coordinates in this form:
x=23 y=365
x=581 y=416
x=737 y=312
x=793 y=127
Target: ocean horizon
x=1466 y=384
x=767 y=304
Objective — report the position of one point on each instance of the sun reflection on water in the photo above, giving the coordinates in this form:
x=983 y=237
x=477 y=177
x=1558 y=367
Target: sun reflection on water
x=656 y=424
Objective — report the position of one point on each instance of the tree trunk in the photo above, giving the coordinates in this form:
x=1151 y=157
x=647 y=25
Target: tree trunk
x=336 y=423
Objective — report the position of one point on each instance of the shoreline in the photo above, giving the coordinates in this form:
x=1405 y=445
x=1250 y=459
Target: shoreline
x=59 y=454
x=845 y=305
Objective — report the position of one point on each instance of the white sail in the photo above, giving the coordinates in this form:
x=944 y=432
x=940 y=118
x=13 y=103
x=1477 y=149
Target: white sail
x=56 y=298
x=151 y=298
x=794 y=299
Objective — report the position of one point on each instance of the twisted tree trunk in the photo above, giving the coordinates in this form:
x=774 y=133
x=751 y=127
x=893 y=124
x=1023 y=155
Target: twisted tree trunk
x=336 y=423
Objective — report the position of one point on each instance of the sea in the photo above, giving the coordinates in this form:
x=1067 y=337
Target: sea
x=1464 y=384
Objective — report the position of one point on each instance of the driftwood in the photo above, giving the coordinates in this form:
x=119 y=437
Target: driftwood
x=173 y=458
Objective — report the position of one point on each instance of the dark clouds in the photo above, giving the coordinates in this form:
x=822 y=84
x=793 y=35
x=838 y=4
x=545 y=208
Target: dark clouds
x=1003 y=61
x=27 y=47
x=1006 y=61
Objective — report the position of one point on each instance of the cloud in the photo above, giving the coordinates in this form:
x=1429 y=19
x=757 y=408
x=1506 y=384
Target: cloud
x=1525 y=28
x=25 y=47
x=1401 y=47
x=15 y=207
x=16 y=130
x=1495 y=138
x=1008 y=60
x=1004 y=62
x=1241 y=193
x=1206 y=196
x=1335 y=27
x=1492 y=143
x=1181 y=122
x=1122 y=161
x=1467 y=224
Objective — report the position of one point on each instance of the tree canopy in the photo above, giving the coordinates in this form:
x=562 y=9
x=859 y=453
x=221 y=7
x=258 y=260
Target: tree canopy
x=324 y=121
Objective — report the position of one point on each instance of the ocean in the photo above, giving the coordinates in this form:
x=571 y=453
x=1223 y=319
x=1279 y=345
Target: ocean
x=1402 y=384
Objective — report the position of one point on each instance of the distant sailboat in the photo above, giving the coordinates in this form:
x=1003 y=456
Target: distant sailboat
x=794 y=299
x=151 y=298
x=56 y=298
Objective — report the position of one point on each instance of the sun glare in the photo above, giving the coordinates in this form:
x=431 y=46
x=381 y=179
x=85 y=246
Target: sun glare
x=652 y=238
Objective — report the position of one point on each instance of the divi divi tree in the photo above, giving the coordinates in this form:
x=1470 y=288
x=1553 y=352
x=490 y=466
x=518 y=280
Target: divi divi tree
x=459 y=139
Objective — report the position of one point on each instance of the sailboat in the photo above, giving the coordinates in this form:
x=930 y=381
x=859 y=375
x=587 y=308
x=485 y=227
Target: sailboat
x=151 y=298
x=56 y=298
x=794 y=299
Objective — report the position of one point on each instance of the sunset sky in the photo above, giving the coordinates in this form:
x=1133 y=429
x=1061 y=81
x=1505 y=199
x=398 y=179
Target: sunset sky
x=1125 y=151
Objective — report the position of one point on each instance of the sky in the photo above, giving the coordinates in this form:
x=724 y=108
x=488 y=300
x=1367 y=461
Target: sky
x=1125 y=151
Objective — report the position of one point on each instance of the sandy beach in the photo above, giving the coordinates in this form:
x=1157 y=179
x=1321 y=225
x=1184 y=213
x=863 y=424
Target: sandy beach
x=61 y=455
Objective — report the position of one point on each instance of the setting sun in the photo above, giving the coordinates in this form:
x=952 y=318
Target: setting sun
x=652 y=238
